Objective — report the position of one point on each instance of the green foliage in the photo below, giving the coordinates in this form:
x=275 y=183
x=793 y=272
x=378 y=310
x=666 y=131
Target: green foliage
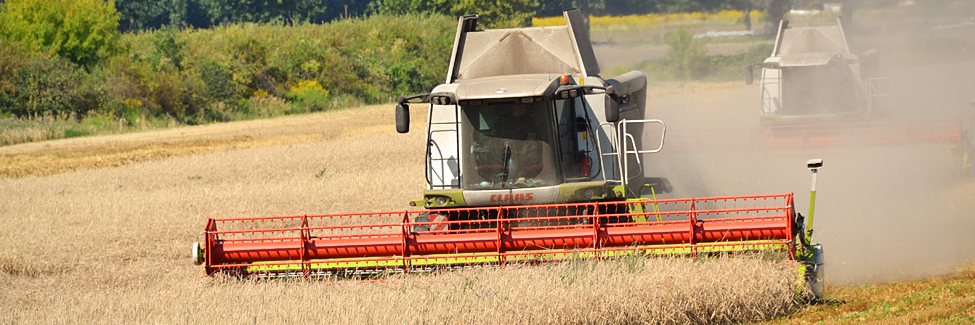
x=732 y=67
x=250 y=70
x=309 y=96
x=498 y=14
x=83 y=31
x=73 y=133
x=280 y=11
x=672 y=6
x=138 y=15
x=686 y=55
x=42 y=84
x=153 y=78
x=687 y=59
x=218 y=80
x=626 y=7
x=402 y=7
x=774 y=12
x=168 y=49
x=707 y=67
x=554 y=8
x=493 y=14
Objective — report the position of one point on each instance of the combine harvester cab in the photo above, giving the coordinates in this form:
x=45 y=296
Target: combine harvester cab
x=524 y=118
x=531 y=156
x=812 y=77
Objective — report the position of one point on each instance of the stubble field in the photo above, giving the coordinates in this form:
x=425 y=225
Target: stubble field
x=112 y=244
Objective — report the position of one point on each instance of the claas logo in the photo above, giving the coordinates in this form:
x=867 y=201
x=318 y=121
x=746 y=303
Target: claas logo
x=502 y=198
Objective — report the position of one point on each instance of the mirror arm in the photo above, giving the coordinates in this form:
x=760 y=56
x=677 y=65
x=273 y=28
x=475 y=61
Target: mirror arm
x=403 y=110
x=415 y=99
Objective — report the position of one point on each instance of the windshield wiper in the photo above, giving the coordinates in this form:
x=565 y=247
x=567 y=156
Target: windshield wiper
x=504 y=166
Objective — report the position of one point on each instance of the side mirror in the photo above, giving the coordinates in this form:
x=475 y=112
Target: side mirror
x=612 y=109
x=749 y=75
x=403 y=117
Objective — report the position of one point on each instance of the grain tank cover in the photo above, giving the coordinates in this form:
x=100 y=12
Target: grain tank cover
x=558 y=50
x=823 y=39
x=810 y=46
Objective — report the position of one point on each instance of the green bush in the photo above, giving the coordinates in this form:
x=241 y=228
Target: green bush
x=309 y=96
x=123 y=84
x=43 y=85
x=218 y=80
x=705 y=67
x=686 y=55
x=73 y=133
x=367 y=60
x=732 y=67
x=168 y=49
x=265 y=106
x=265 y=11
x=235 y=71
x=492 y=14
x=83 y=31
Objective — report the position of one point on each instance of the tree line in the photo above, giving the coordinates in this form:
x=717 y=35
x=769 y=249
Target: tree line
x=40 y=23
x=137 y=15
x=203 y=60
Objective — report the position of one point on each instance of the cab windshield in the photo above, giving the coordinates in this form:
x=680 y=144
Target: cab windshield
x=511 y=145
x=818 y=90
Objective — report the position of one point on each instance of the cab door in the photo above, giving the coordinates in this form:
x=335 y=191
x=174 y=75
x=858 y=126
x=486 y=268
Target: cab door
x=771 y=91
x=443 y=144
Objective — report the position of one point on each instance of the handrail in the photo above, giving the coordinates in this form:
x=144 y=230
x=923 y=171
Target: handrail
x=613 y=145
x=624 y=152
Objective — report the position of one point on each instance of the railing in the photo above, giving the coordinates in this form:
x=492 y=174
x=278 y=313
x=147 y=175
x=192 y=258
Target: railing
x=628 y=141
x=623 y=144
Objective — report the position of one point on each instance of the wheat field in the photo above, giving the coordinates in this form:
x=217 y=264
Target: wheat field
x=111 y=244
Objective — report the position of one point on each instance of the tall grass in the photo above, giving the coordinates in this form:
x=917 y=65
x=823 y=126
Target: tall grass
x=59 y=126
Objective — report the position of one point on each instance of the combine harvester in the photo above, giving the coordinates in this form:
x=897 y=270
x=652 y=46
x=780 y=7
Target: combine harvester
x=815 y=93
x=531 y=156
x=812 y=77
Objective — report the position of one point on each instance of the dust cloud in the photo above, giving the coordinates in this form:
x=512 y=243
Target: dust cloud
x=883 y=213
